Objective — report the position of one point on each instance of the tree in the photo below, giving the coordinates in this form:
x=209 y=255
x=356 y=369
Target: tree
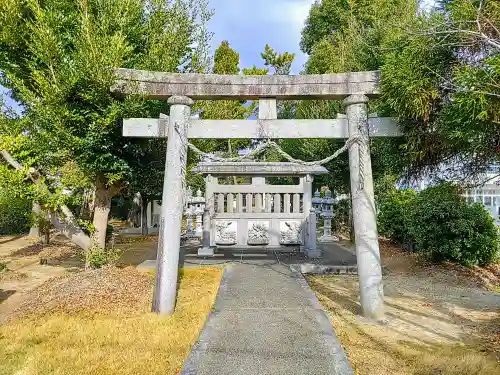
x=339 y=24
x=441 y=76
x=345 y=36
x=226 y=61
x=57 y=57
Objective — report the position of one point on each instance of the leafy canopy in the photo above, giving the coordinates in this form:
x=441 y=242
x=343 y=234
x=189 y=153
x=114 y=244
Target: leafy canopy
x=57 y=57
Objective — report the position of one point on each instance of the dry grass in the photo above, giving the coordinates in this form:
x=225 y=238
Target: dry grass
x=410 y=343
x=442 y=319
x=99 y=323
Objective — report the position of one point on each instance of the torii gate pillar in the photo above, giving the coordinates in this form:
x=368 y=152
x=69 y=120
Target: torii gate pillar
x=363 y=207
x=172 y=206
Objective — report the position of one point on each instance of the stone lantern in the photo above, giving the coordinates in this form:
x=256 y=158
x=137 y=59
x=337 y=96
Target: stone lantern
x=327 y=215
x=317 y=203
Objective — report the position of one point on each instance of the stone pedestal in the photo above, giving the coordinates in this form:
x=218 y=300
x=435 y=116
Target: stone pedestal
x=173 y=191
x=312 y=250
x=206 y=250
x=363 y=207
x=327 y=231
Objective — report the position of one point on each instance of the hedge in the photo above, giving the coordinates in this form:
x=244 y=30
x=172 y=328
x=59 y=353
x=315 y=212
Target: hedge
x=15 y=215
x=440 y=224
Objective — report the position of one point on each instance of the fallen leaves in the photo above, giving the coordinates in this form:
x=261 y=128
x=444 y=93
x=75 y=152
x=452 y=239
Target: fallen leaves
x=93 y=292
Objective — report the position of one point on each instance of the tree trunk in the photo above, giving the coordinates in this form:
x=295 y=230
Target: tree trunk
x=101 y=212
x=68 y=226
x=46 y=237
x=87 y=208
x=144 y=215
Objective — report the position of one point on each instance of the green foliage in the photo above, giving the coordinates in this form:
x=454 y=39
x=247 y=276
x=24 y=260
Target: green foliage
x=254 y=71
x=226 y=60
x=345 y=36
x=280 y=62
x=441 y=224
x=96 y=257
x=15 y=201
x=394 y=215
x=42 y=222
x=442 y=78
x=14 y=214
x=342 y=221
x=57 y=57
x=445 y=227
x=87 y=226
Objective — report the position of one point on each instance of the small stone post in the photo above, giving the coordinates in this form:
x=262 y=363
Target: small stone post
x=189 y=223
x=363 y=206
x=206 y=250
x=312 y=250
x=172 y=205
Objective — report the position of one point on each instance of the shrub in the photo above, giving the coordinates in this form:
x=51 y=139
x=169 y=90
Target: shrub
x=44 y=225
x=445 y=227
x=97 y=257
x=393 y=217
x=483 y=240
x=15 y=215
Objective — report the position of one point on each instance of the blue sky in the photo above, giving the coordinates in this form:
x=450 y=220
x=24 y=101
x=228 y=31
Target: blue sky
x=248 y=25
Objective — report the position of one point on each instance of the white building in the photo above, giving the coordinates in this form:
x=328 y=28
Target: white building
x=488 y=194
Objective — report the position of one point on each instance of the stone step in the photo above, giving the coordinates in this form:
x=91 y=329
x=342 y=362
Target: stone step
x=321 y=269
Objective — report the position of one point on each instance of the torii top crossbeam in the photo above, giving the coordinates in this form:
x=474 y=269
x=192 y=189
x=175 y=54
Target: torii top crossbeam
x=159 y=85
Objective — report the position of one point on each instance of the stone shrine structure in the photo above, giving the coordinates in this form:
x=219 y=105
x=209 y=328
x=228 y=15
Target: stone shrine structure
x=354 y=89
x=259 y=214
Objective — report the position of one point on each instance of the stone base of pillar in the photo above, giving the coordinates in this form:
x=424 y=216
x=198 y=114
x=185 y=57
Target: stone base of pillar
x=199 y=232
x=313 y=253
x=206 y=252
x=326 y=239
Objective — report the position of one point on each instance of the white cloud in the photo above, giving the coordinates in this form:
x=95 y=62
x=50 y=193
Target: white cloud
x=291 y=12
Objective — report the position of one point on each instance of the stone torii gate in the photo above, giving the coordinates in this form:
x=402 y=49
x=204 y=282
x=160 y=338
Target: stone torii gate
x=180 y=90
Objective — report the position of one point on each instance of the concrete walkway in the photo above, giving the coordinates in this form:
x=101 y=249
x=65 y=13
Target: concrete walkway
x=266 y=320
